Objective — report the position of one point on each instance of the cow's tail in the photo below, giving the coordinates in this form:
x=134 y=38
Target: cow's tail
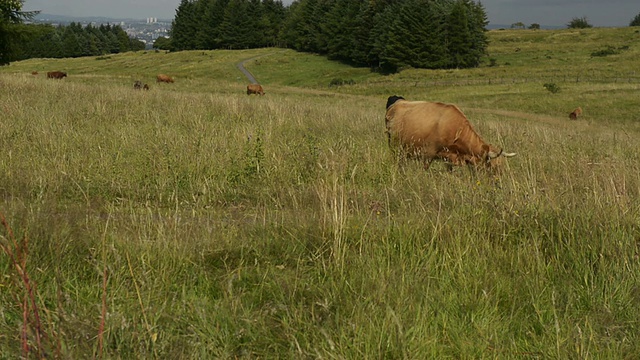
x=392 y=100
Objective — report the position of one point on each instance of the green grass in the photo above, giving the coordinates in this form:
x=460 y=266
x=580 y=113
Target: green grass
x=235 y=226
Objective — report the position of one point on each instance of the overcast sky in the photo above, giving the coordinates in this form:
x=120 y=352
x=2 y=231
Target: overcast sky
x=500 y=12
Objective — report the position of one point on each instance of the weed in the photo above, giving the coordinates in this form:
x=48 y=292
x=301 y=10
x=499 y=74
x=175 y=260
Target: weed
x=245 y=170
x=609 y=50
x=552 y=87
x=341 y=82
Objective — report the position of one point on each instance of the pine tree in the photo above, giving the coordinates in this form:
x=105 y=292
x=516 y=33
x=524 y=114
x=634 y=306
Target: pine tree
x=361 y=44
x=71 y=46
x=303 y=29
x=111 y=43
x=208 y=36
x=292 y=27
x=458 y=36
x=162 y=43
x=415 y=36
x=101 y=40
x=273 y=16
x=123 y=38
x=340 y=25
x=382 y=44
x=235 y=30
x=185 y=25
x=478 y=21
x=11 y=14
x=254 y=37
x=91 y=41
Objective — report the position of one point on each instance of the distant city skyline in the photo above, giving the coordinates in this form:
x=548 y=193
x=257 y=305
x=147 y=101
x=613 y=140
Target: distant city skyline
x=611 y=13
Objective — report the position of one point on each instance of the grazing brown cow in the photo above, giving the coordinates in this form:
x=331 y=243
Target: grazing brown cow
x=164 y=78
x=434 y=130
x=255 y=89
x=575 y=113
x=34 y=73
x=56 y=74
x=137 y=85
x=146 y=87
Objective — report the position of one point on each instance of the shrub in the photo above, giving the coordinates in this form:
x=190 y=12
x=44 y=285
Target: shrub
x=610 y=50
x=552 y=87
x=340 y=82
x=579 y=23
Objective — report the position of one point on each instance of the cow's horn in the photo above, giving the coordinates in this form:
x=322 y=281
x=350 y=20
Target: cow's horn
x=493 y=154
x=506 y=154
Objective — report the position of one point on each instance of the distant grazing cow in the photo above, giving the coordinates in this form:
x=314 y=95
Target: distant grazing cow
x=34 y=73
x=255 y=89
x=575 y=114
x=164 y=78
x=146 y=87
x=56 y=74
x=434 y=130
x=137 y=85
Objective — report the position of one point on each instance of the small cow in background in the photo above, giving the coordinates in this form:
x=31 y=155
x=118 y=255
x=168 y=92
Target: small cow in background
x=255 y=89
x=575 y=114
x=164 y=78
x=34 y=73
x=145 y=87
x=56 y=75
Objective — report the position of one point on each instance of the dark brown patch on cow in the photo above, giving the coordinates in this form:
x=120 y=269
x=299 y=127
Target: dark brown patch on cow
x=392 y=100
x=575 y=114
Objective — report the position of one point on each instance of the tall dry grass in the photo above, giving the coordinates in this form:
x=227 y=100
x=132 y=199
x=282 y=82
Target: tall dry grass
x=192 y=223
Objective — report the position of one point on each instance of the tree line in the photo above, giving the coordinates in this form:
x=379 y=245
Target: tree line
x=73 y=40
x=20 y=41
x=382 y=34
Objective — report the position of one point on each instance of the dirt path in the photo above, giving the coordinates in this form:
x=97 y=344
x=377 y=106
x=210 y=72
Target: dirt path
x=506 y=113
x=521 y=115
x=246 y=72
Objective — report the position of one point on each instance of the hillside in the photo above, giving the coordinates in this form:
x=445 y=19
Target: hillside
x=194 y=221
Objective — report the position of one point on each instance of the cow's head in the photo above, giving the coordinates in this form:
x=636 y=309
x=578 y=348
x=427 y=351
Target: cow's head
x=492 y=157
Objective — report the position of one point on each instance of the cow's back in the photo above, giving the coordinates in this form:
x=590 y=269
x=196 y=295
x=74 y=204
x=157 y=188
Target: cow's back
x=422 y=121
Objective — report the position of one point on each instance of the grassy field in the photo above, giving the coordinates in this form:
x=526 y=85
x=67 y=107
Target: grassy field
x=194 y=221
